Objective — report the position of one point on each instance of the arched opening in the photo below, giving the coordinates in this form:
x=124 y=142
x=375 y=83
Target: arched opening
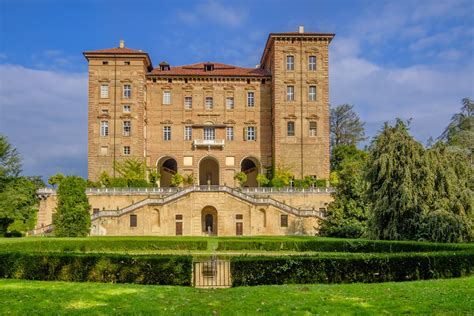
x=250 y=167
x=209 y=220
x=167 y=167
x=208 y=171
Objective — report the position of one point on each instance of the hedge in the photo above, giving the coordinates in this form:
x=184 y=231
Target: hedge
x=104 y=244
x=339 y=245
x=364 y=268
x=165 y=270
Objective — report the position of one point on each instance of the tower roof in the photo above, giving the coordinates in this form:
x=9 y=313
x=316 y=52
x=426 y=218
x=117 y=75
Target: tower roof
x=218 y=69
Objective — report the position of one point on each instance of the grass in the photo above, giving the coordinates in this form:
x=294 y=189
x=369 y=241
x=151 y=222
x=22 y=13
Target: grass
x=443 y=297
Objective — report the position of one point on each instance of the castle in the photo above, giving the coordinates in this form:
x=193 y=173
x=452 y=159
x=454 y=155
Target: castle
x=209 y=121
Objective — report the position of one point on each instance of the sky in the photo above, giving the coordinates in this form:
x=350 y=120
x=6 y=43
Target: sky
x=407 y=59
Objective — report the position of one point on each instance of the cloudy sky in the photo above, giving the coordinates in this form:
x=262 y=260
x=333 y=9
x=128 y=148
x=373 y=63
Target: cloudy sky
x=408 y=59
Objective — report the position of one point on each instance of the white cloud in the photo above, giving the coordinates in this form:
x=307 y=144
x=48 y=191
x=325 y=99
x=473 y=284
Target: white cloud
x=44 y=115
x=429 y=95
x=215 y=12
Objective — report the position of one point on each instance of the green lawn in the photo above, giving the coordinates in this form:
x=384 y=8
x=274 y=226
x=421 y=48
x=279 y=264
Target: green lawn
x=444 y=297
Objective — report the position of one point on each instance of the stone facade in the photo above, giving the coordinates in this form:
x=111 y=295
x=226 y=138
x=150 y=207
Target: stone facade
x=211 y=121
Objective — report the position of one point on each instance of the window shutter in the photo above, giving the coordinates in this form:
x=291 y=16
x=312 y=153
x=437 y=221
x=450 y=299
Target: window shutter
x=245 y=133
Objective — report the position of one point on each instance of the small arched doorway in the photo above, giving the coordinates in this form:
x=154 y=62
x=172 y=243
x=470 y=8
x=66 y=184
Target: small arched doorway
x=249 y=166
x=167 y=167
x=208 y=171
x=209 y=221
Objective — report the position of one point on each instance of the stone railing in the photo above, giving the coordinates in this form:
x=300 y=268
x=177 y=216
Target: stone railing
x=212 y=188
x=208 y=143
x=41 y=231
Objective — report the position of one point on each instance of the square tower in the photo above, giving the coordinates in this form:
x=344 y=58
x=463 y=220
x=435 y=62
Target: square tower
x=298 y=63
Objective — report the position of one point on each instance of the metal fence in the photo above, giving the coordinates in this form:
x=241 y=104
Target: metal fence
x=212 y=274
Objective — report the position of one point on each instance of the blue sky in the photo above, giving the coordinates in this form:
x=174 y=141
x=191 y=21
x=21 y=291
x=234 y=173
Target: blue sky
x=408 y=59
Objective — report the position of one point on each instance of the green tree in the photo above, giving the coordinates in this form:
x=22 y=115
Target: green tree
x=241 y=177
x=345 y=126
x=10 y=160
x=399 y=184
x=460 y=131
x=18 y=205
x=176 y=180
x=131 y=169
x=72 y=218
x=344 y=153
x=347 y=215
x=262 y=180
x=281 y=178
x=56 y=179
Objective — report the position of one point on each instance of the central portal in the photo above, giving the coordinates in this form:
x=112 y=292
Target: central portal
x=209 y=221
x=208 y=171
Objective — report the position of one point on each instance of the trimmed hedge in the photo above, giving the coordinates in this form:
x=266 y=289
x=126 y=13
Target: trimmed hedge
x=104 y=244
x=364 y=268
x=165 y=270
x=339 y=245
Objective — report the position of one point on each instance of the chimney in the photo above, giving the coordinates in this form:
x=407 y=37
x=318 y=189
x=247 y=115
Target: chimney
x=122 y=43
x=301 y=29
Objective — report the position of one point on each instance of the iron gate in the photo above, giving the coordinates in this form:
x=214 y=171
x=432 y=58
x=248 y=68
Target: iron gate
x=212 y=274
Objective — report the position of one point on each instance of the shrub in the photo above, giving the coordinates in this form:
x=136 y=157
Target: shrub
x=164 y=270
x=360 y=268
x=241 y=177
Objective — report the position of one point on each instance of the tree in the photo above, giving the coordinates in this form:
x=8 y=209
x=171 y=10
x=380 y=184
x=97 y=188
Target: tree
x=344 y=153
x=18 y=205
x=56 y=179
x=347 y=215
x=460 y=131
x=72 y=218
x=131 y=169
x=345 y=126
x=176 y=180
x=399 y=184
x=262 y=180
x=241 y=177
x=10 y=160
x=281 y=178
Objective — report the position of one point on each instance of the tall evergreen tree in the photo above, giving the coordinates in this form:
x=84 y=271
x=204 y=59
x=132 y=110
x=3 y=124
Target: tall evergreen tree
x=399 y=184
x=72 y=218
x=10 y=160
x=347 y=214
x=345 y=126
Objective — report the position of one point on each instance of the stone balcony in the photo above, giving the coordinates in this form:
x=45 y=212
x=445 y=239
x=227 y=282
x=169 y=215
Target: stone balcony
x=208 y=143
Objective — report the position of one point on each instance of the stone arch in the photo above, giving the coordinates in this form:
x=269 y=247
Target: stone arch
x=209 y=220
x=167 y=166
x=251 y=167
x=208 y=171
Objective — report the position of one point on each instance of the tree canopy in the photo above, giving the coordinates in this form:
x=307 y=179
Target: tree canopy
x=345 y=126
x=10 y=160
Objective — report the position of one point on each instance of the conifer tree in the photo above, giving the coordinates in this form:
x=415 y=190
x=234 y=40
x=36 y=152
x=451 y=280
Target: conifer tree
x=72 y=218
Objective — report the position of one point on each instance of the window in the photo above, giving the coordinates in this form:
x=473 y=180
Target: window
x=209 y=103
x=166 y=97
x=239 y=216
x=312 y=93
x=188 y=133
x=105 y=62
x=127 y=108
x=290 y=93
x=126 y=150
x=127 y=91
x=291 y=128
x=312 y=63
x=209 y=133
x=104 y=91
x=250 y=99
x=251 y=134
x=179 y=217
x=290 y=62
x=166 y=132
x=127 y=128
x=127 y=63
x=188 y=102
x=104 y=128
x=229 y=132
x=133 y=220
x=105 y=111
x=229 y=103
x=104 y=150
x=312 y=129
x=284 y=220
